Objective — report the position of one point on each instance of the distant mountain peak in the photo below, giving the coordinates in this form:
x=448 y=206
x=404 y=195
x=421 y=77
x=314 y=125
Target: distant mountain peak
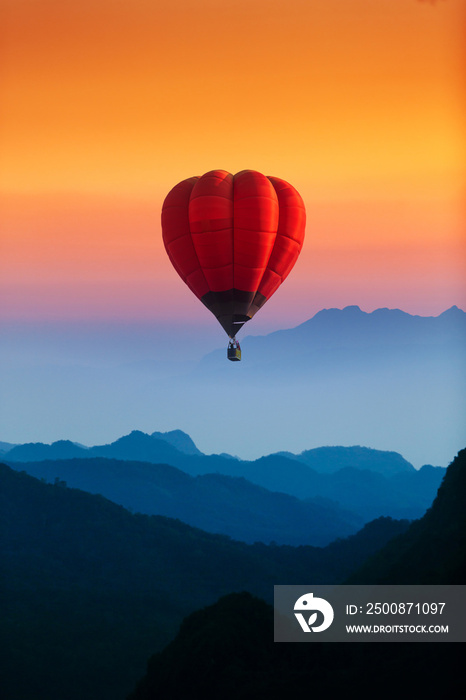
x=334 y=311
x=353 y=313
x=385 y=311
x=330 y=459
x=355 y=310
x=133 y=436
x=174 y=439
x=62 y=443
x=179 y=439
x=453 y=311
x=352 y=308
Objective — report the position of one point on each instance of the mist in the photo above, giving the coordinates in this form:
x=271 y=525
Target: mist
x=92 y=383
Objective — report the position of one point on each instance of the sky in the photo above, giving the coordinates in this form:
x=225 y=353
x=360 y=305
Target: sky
x=106 y=105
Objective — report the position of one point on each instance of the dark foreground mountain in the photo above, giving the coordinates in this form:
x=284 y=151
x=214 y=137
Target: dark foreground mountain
x=227 y=651
x=433 y=550
x=89 y=590
x=368 y=483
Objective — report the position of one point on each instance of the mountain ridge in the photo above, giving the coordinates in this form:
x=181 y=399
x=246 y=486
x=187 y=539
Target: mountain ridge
x=363 y=482
x=330 y=459
x=136 y=443
x=215 y=503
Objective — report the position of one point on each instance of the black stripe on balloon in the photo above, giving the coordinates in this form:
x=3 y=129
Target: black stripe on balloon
x=233 y=307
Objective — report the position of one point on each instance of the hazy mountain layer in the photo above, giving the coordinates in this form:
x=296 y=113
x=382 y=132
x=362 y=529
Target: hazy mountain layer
x=214 y=502
x=367 y=483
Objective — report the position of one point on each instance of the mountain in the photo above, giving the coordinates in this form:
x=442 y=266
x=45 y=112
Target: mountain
x=175 y=445
x=180 y=440
x=346 y=377
x=226 y=650
x=366 y=492
x=367 y=482
x=381 y=329
x=90 y=590
x=328 y=460
x=403 y=495
x=355 y=334
x=61 y=449
x=221 y=504
x=433 y=549
x=6 y=447
x=136 y=445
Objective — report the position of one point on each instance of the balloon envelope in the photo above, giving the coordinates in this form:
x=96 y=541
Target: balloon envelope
x=233 y=239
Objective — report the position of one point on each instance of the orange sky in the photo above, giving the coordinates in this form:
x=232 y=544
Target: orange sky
x=106 y=104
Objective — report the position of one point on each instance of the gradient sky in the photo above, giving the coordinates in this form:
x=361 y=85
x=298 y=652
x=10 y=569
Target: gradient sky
x=107 y=104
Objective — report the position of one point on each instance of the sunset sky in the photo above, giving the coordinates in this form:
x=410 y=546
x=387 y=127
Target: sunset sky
x=107 y=104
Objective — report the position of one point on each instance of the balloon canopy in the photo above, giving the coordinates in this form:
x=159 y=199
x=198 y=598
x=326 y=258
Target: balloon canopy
x=233 y=239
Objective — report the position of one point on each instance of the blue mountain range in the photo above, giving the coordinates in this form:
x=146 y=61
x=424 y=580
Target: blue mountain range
x=308 y=498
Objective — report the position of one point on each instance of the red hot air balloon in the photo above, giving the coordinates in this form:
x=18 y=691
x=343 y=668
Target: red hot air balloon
x=233 y=239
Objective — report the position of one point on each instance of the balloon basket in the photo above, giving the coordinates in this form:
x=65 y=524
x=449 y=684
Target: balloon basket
x=234 y=351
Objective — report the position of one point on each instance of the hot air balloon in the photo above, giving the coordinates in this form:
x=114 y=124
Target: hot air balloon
x=233 y=239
